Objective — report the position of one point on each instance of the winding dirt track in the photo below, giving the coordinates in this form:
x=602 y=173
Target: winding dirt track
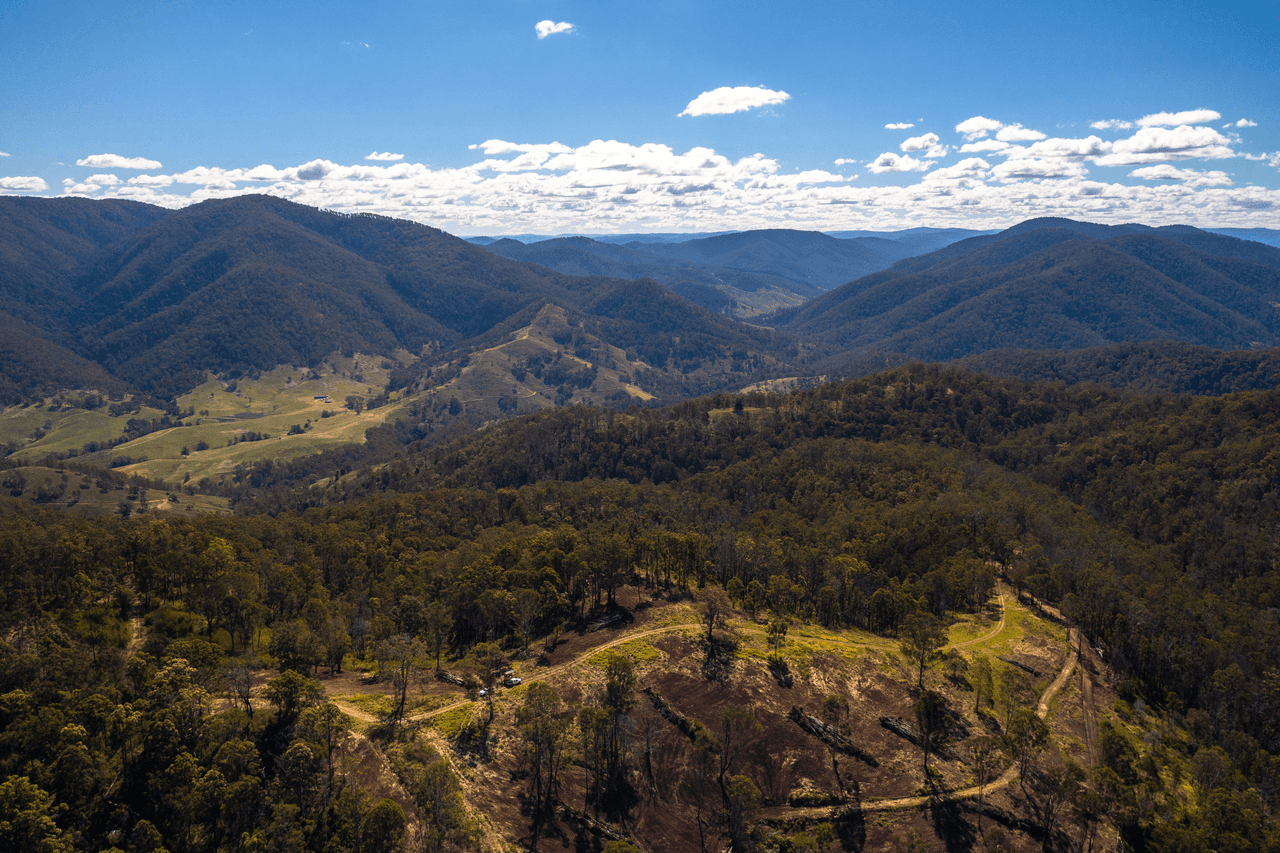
x=987 y=636
x=352 y=711
x=541 y=676
x=890 y=804
x=1005 y=779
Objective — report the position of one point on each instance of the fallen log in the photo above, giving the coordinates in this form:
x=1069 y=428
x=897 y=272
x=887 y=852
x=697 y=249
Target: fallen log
x=830 y=736
x=903 y=729
x=1020 y=665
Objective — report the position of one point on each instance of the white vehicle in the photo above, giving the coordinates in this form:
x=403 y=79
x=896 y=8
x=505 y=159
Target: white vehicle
x=511 y=681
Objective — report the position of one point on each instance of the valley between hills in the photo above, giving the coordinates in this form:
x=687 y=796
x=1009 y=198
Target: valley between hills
x=339 y=533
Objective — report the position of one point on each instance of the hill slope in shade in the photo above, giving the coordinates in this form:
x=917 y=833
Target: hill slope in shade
x=1055 y=285
x=43 y=241
x=744 y=273
x=158 y=298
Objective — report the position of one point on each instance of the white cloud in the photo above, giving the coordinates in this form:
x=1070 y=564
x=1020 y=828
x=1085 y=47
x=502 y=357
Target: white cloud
x=1270 y=159
x=901 y=125
x=115 y=161
x=890 y=162
x=733 y=99
x=1031 y=169
x=977 y=127
x=612 y=186
x=1112 y=124
x=1190 y=177
x=1244 y=122
x=23 y=183
x=927 y=143
x=1018 y=133
x=1159 y=144
x=969 y=172
x=316 y=170
x=385 y=155
x=156 y=181
x=550 y=28
x=102 y=180
x=1184 y=117
x=70 y=187
x=920 y=143
x=843 y=162
x=5 y=154
x=985 y=146
x=1089 y=148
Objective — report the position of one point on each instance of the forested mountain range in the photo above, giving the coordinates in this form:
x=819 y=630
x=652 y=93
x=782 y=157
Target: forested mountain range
x=1055 y=284
x=158 y=298
x=440 y=335
x=744 y=274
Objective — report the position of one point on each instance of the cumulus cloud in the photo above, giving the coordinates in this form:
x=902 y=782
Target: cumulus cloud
x=984 y=146
x=890 y=162
x=1018 y=133
x=1244 y=122
x=927 y=143
x=316 y=170
x=733 y=99
x=102 y=180
x=1190 y=177
x=609 y=185
x=969 y=172
x=157 y=181
x=550 y=28
x=1158 y=144
x=1031 y=169
x=1090 y=147
x=115 y=161
x=23 y=183
x=71 y=187
x=385 y=155
x=920 y=143
x=900 y=125
x=1270 y=159
x=1112 y=124
x=977 y=127
x=1184 y=117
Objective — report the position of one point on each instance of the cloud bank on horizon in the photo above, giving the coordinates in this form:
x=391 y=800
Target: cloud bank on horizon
x=1005 y=173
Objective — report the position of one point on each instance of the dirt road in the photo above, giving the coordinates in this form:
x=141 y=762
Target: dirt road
x=1005 y=779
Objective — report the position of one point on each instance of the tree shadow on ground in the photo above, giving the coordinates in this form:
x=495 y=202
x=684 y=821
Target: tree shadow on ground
x=851 y=828
x=950 y=825
x=780 y=671
x=718 y=658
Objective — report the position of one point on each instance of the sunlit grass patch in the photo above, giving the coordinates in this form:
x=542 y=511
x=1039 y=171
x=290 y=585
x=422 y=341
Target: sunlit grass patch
x=637 y=650
x=375 y=704
x=451 y=723
x=970 y=627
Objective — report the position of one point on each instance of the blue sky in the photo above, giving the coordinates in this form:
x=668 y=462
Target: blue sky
x=518 y=116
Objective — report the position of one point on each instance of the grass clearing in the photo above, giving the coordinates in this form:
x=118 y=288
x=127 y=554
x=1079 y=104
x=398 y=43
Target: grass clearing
x=224 y=413
x=637 y=650
x=375 y=704
x=451 y=723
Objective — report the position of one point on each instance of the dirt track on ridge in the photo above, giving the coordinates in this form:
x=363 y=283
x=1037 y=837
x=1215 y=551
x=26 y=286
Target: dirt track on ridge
x=890 y=804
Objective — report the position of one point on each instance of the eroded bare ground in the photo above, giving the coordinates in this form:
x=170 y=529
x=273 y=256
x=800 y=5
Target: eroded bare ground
x=660 y=813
